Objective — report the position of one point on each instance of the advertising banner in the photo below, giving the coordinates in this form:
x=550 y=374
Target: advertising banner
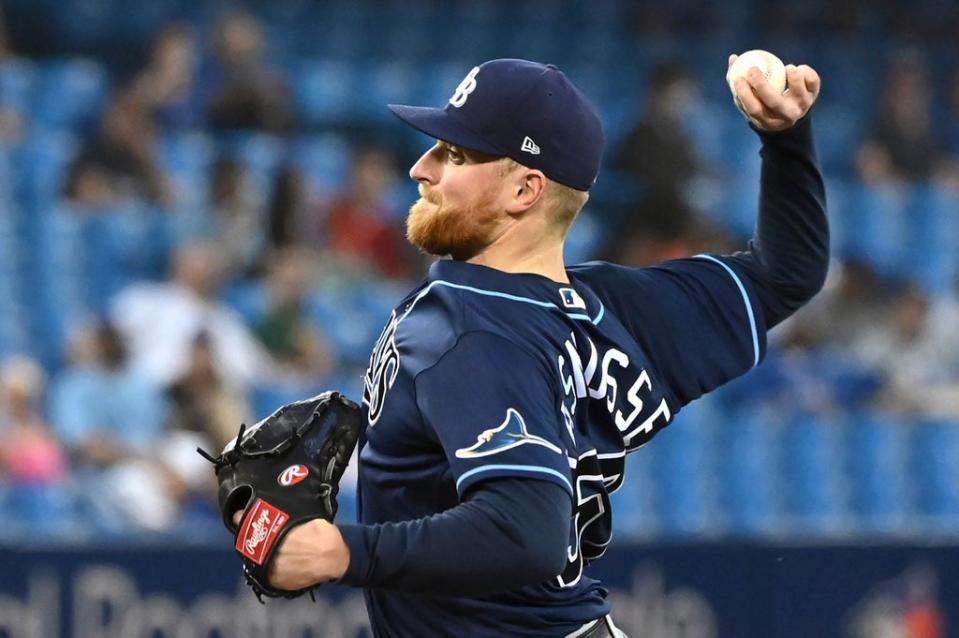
x=683 y=590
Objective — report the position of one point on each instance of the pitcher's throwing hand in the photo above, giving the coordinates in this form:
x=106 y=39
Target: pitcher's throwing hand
x=770 y=110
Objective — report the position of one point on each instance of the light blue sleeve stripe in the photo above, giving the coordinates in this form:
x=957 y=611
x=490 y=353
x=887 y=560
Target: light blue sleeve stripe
x=749 y=307
x=520 y=468
x=599 y=315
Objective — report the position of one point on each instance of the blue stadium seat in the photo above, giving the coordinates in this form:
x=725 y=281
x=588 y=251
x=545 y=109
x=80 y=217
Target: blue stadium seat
x=69 y=93
x=248 y=298
x=17 y=76
x=186 y=158
x=688 y=497
x=323 y=159
x=843 y=132
x=9 y=177
x=382 y=84
x=44 y=157
x=812 y=460
x=750 y=484
x=840 y=221
x=342 y=315
x=877 y=219
x=186 y=151
x=324 y=91
x=584 y=239
x=708 y=130
x=878 y=460
x=261 y=153
x=738 y=206
x=635 y=507
x=934 y=225
x=935 y=465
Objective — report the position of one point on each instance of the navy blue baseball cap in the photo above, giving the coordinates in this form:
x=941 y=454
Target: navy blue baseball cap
x=524 y=110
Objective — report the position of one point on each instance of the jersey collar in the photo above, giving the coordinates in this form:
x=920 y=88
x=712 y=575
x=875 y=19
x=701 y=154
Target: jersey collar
x=570 y=298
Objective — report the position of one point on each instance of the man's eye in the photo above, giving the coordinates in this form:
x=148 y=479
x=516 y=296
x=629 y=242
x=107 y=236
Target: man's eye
x=454 y=155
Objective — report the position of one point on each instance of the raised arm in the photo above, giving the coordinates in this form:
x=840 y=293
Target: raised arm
x=788 y=256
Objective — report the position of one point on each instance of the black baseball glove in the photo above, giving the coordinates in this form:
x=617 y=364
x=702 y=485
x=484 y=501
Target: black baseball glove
x=283 y=471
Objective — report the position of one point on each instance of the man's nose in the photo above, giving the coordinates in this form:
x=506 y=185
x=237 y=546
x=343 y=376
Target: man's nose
x=426 y=169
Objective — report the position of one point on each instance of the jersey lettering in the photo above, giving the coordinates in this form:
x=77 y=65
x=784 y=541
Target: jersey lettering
x=602 y=379
x=384 y=366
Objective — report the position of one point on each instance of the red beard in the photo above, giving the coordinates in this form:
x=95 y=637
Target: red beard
x=460 y=232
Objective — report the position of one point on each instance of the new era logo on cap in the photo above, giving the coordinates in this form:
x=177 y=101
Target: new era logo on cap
x=529 y=146
x=523 y=110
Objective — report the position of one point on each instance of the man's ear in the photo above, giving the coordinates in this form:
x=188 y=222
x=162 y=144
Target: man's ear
x=527 y=187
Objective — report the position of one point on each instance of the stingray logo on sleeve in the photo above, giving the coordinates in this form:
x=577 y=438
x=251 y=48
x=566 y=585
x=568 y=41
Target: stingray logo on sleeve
x=510 y=434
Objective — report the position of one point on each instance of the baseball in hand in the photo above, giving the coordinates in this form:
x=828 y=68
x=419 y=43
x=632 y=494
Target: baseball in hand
x=767 y=63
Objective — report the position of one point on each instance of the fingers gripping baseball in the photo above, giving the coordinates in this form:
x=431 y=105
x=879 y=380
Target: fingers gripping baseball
x=768 y=109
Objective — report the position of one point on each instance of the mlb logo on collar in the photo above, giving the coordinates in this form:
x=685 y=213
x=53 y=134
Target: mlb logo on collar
x=571 y=298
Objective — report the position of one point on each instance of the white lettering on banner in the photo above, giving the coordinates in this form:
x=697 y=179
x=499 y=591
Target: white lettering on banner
x=649 y=608
x=36 y=617
x=107 y=604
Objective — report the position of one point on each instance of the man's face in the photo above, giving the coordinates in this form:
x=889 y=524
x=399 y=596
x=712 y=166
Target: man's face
x=461 y=201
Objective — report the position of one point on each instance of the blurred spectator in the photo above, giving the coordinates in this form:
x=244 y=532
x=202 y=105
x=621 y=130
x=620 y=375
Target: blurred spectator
x=160 y=322
x=650 y=19
x=169 y=84
x=915 y=346
x=119 y=161
x=102 y=409
x=288 y=210
x=922 y=617
x=657 y=152
x=5 y=48
x=662 y=227
x=949 y=175
x=29 y=452
x=237 y=220
x=359 y=223
x=243 y=93
x=11 y=123
x=202 y=403
x=952 y=103
x=88 y=187
x=851 y=299
x=284 y=329
x=903 y=145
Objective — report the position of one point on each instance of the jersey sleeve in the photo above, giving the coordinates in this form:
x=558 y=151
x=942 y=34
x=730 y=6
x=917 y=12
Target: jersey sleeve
x=495 y=412
x=698 y=319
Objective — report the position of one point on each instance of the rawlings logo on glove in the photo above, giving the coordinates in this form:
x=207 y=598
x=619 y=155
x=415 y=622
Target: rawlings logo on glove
x=263 y=523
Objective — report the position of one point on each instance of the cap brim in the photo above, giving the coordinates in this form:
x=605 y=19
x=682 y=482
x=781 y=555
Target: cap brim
x=439 y=124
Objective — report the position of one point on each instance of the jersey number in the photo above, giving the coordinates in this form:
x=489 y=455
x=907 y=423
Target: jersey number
x=595 y=479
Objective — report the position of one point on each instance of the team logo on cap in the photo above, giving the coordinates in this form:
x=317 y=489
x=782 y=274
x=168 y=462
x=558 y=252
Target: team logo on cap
x=292 y=475
x=529 y=146
x=467 y=86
